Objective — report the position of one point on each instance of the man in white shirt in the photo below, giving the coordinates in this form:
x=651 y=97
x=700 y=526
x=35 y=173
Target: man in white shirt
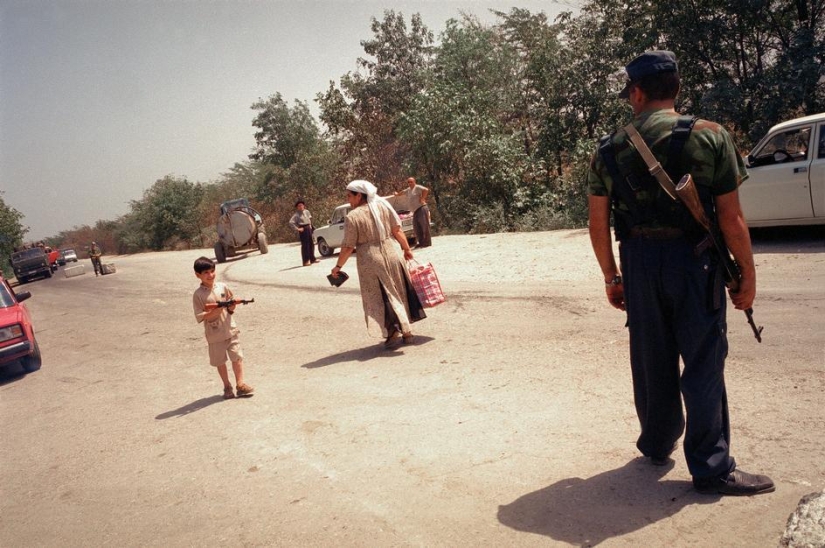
x=416 y=196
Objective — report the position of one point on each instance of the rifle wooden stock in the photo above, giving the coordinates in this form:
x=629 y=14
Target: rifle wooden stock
x=689 y=196
x=687 y=193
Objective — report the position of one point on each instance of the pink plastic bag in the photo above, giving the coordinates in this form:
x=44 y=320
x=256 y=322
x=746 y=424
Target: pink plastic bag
x=426 y=284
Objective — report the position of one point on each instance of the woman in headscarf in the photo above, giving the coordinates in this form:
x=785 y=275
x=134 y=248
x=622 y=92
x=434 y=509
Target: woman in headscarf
x=386 y=291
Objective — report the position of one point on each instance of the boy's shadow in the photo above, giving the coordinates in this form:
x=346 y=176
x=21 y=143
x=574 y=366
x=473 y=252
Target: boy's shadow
x=190 y=407
x=365 y=354
x=586 y=512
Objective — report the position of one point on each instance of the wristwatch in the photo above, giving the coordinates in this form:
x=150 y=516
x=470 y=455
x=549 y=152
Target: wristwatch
x=617 y=280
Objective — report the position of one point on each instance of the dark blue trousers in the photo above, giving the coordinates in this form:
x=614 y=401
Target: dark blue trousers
x=676 y=308
x=307 y=247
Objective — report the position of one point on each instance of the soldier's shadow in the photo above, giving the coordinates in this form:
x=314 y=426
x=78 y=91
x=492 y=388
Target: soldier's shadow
x=586 y=512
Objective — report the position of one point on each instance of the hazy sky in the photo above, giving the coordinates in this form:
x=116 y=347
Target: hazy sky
x=100 y=99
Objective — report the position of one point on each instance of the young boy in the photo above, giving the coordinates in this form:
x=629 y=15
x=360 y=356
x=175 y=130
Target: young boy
x=221 y=331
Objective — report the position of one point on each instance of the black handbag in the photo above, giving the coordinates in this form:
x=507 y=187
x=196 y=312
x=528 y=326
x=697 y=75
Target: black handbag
x=342 y=277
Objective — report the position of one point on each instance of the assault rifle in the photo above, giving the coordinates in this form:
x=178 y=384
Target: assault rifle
x=226 y=304
x=688 y=195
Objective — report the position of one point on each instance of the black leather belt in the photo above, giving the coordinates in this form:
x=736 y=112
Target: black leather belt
x=660 y=233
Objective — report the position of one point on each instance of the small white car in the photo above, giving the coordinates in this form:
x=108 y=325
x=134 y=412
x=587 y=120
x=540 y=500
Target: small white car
x=329 y=237
x=786 y=185
x=69 y=255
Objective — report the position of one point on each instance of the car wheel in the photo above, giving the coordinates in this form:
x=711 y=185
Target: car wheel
x=33 y=361
x=262 y=246
x=220 y=254
x=324 y=249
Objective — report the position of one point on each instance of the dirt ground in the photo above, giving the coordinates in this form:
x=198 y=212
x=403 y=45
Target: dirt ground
x=509 y=422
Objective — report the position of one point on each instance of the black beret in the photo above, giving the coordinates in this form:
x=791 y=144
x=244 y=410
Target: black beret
x=648 y=63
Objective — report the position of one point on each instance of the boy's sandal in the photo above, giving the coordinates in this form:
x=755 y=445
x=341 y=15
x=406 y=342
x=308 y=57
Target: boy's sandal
x=228 y=394
x=408 y=338
x=245 y=390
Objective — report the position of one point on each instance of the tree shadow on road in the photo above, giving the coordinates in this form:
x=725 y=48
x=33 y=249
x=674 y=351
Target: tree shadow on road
x=586 y=512
x=364 y=354
x=190 y=407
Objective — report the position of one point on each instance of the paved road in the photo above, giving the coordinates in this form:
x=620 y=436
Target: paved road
x=509 y=422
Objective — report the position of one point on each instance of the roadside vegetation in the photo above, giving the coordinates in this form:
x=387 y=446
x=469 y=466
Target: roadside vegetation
x=499 y=121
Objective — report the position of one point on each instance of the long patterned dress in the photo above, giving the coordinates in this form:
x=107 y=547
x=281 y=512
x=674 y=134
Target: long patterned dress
x=386 y=291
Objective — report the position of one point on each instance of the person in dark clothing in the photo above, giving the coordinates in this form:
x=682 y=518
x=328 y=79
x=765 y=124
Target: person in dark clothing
x=670 y=284
x=94 y=254
x=301 y=222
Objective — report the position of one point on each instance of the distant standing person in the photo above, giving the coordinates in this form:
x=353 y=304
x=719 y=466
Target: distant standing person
x=94 y=254
x=417 y=203
x=386 y=290
x=220 y=328
x=301 y=222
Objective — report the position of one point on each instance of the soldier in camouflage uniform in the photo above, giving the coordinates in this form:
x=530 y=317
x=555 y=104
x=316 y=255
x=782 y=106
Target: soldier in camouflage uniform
x=94 y=254
x=670 y=285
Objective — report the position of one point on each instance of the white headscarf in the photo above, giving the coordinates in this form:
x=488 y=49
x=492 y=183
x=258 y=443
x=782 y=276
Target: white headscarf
x=375 y=203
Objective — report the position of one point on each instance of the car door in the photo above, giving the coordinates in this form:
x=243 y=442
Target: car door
x=778 y=187
x=817 y=171
x=336 y=226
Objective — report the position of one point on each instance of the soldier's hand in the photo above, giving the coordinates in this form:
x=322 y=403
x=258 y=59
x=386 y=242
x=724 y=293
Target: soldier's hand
x=615 y=296
x=743 y=298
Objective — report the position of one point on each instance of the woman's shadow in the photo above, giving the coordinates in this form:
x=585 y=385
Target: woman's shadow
x=366 y=354
x=585 y=512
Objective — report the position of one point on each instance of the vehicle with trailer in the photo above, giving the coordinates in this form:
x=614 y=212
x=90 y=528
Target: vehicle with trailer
x=240 y=228
x=17 y=341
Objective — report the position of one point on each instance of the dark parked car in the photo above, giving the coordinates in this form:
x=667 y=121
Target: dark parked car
x=17 y=342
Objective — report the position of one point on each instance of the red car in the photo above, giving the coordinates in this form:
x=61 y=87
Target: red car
x=17 y=342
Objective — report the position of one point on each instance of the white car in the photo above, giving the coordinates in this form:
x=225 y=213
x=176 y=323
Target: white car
x=69 y=255
x=329 y=237
x=786 y=185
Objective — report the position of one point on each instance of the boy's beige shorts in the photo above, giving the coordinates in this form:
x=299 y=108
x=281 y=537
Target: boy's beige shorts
x=219 y=351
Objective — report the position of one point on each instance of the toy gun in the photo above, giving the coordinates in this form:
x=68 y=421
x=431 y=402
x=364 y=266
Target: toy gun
x=688 y=195
x=226 y=304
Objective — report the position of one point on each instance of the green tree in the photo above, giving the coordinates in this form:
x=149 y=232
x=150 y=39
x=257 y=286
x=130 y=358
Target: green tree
x=167 y=214
x=284 y=134
x=465 y=130
x=12 y=232
x=362 y=115
x=747 y=65
x=292 y=160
